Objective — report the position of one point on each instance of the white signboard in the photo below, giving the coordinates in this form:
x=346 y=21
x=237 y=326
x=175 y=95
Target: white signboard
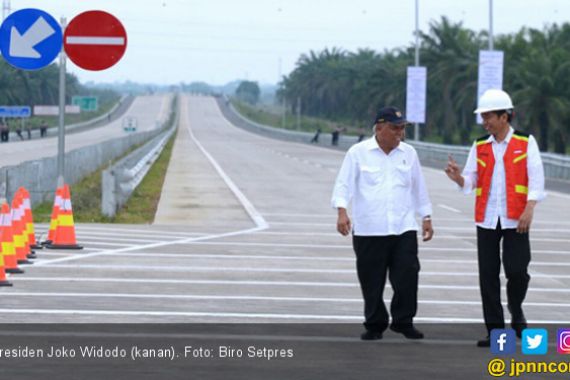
x=490 y=73
x=54 y=110
x=416 y=94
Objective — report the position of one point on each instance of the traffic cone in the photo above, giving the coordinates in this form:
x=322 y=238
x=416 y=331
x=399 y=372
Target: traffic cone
x=18 y=231
x=3 y=280
x=24 y=225
x=7 y=240
x=54 y=214
x=65 y=230
x=29 y=218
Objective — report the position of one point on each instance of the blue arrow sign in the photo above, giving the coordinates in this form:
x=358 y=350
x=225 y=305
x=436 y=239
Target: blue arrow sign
x=30 y=39
x=15 y=111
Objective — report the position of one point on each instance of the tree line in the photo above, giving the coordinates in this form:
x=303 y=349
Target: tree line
x=29 y=88
x=41 y=87
x=350 y=86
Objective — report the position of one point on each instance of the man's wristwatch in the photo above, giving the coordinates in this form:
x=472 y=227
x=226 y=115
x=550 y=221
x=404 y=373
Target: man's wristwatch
x=427 y=218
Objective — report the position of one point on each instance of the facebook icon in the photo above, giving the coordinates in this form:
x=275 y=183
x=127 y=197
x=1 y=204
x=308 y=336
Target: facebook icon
x=503 y=341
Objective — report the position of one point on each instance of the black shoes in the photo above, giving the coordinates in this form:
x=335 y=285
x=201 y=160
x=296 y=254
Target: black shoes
x=409 y=331
x=371 y=335
x=518 y=321
x=486 y=342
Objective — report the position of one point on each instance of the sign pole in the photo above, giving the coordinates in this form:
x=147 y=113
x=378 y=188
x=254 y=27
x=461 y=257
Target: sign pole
x=417 y=59
x=61 y=130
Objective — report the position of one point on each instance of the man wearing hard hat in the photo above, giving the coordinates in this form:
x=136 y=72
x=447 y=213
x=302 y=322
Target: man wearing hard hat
x=505 y=170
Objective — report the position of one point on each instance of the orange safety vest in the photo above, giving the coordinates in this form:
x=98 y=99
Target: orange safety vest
x=516 y=175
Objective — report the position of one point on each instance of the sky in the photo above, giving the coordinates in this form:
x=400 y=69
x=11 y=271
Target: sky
x=218 y=41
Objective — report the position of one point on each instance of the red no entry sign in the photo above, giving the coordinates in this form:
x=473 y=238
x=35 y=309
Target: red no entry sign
x=95 y=40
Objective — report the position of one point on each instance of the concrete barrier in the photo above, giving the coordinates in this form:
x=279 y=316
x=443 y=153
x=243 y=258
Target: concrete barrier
x=556 y=166
x=40 y=176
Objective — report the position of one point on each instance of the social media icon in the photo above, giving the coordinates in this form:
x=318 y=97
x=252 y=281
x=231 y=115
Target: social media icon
x=534 y=341
x=503 y=341
x=563 y=345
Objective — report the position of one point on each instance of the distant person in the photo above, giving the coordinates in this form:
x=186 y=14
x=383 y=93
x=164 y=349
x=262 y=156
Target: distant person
x=29 y=132
x=4 y=132
x=335 y=136
x=43 y=128
x=505 y=170
x=315 y=139
x=19 y=132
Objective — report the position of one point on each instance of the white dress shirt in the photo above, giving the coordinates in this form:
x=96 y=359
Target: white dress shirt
x=497 y=204
x=387 y=190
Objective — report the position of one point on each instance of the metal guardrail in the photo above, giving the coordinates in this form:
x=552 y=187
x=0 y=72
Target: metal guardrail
x=120 y=180
x=556 y=166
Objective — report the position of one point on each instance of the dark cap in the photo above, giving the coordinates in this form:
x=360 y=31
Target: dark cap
x=389 y=115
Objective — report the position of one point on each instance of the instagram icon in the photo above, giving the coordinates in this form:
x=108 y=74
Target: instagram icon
x=563 y=341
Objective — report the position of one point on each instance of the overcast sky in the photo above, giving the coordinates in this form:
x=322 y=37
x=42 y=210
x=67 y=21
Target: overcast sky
x=216 y=41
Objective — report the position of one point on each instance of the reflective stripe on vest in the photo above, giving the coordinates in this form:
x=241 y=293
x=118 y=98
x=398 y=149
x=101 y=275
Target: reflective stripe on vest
x=516 y=176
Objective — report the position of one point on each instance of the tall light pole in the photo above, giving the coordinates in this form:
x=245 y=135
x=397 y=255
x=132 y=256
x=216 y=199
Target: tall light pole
x=61 y=129
x=5 y=9
x=490 y=24
x=416 y=125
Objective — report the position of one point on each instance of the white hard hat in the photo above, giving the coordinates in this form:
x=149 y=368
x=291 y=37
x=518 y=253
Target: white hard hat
x=494 y=100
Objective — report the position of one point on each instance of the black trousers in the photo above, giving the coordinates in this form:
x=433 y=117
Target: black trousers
x=516 y=258
x=396 y=255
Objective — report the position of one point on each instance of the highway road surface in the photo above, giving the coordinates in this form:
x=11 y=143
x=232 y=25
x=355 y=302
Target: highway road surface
x=244 y=233
x=147 y=110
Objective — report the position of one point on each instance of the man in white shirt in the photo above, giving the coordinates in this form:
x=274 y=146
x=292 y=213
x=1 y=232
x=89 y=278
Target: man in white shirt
x=505 y=170
x=383 y=179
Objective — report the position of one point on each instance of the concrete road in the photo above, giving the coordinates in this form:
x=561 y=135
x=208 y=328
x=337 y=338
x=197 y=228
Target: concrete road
x=245 y=233
x=148 y=111
x=265 y=228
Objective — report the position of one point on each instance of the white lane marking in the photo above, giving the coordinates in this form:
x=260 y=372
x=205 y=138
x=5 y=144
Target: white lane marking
x=287 y=245
x=106 y=239
x=179 y=268
x=353 y=284
x=194 y=256
x=80 y=40
x=147 y=246
x=104 y=243
x=180 y=314
x=318 y=317
x=134 y=235
x=558 y=194
x=209 y=297
x=449 y=208
x=471 y=229
x=461 y=250
x=118 y=230
x=247 y=205
x=436 y=219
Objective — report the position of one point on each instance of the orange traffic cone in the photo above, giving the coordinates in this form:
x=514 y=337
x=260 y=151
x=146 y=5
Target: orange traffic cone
x=54 y=214
x=18 y=230
x=7 y=241
x=24 y=225
x=3 y=279
x=29 y=218
x=65 y=230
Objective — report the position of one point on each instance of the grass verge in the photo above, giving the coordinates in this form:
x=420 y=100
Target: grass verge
x=140 y=209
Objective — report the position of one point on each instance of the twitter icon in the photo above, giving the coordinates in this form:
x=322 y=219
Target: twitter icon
x=534 y=341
